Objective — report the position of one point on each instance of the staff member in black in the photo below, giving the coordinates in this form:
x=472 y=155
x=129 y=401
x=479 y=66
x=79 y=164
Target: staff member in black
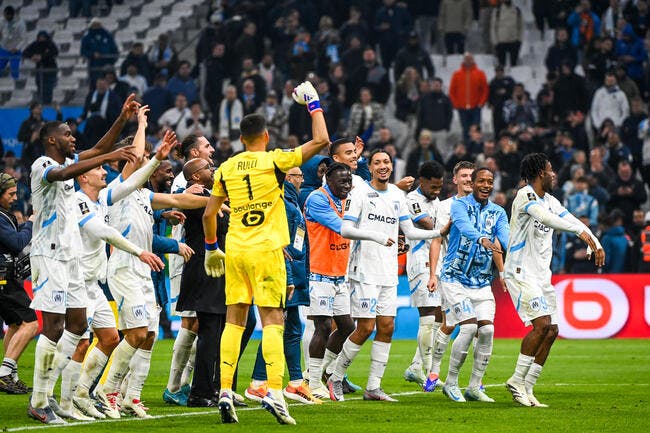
x=203 y=294
x=14 y=302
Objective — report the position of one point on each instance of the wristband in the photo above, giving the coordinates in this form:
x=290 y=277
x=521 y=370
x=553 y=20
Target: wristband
x=314 y=106
x=502 y=275
x=211 y=245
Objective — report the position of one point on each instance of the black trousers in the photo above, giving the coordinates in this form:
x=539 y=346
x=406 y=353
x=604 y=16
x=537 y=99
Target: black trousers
x=510 y=48
x=206 y=379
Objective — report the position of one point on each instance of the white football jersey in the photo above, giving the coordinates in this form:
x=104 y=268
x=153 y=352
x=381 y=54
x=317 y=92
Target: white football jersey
x=175 y=262
x=530 y=248
x=93 y=249
x=179 y=183
x=56 y=232
x=133 y=218
x=417 y=257
x=442 y=218
x=378 y=211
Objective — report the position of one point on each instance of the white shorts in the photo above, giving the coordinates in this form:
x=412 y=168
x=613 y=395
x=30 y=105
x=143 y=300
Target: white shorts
x=98 y=313
x=464 y=304
x=175 y=290
x=533 y=299
x=368 y=301
x=136 y=300
x=328 y=296
x=57 y=285
x=420 y=294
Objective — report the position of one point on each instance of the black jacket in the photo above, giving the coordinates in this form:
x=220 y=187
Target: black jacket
x=198 y=291
x=435 y=112
x=14 y=237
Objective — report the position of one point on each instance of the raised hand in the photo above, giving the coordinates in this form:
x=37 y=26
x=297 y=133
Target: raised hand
x=130 y=106
x=358 y=146
x=142 y=115
x=168 y=143
x=123 y=153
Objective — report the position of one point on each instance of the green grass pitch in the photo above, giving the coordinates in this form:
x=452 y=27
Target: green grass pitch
x=591 y=386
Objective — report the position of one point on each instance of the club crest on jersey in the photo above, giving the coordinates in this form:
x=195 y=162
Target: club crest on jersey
x=531 y=196
x=396 y=206
x=364 y=304
x=83 y=207
x=489 y=222
x=416 y=208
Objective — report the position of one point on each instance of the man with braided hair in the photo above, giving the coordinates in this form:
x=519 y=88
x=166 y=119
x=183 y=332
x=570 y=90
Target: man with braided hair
x=535 y=214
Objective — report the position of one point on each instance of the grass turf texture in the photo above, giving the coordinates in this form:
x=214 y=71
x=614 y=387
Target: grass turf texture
x=591 y=386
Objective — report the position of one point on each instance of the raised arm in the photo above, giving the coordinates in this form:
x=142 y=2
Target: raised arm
x=180 y=201
x=305 y=94
x=59 y=174
x=138 y=142
x=105 y=144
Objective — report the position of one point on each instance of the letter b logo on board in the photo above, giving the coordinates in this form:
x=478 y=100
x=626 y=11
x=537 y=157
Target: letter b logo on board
x=590 y=308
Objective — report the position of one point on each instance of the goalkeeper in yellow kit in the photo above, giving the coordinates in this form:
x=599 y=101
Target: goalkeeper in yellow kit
x=253 y=261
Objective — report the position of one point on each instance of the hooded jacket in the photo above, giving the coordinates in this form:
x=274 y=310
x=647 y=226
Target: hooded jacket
x=632 y=46
x=468 y=88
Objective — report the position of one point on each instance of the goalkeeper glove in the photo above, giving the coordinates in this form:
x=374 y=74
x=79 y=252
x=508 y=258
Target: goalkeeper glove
x=214 y=260
x=305 y=94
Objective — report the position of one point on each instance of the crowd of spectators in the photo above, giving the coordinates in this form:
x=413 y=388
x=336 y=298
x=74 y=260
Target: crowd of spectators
x=371 y=64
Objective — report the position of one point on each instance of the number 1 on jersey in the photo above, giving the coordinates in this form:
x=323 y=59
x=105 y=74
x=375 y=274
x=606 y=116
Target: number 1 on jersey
x=247 y=179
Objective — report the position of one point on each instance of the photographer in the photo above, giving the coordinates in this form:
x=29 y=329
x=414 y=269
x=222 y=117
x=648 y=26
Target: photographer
x=14 y=302
x=520 y=110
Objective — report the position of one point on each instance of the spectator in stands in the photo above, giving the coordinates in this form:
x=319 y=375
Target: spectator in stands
x=426 y=150
x=509 y=158
x=435 y=114
x=354 y=27
x=639 y=17
x=137 y=82
x=580 y=202
x=599 y=170
x=250 y=72
x=138 y=58
x=231 y=112
x=371 y=75
x=77 y=6
x=631 y=53
x=28 y=134
x=332 y=108
x=475 y=144
x=183 y=83
x=501 y=87
x=271 y=75
x=644 y=246
x=459 y=154
x=634 y=233
x=158 y=98
x=384 y=138
x=626 y=84
x=276 y=120
x=570 y=92
x=644 y=134
x=176 y=114
x=162 y=56
x=489 y=151
x=407 y=95
x=630 y=130
x=627 y=192
x=43 y=53
x=213 y=73
x=617 y=151
x=224 y=150
x=615 y=243
x=99 y=48
x=612 y=14
x=352 y=56
x=468 y=92
x=366 y=117
x=119 y=88
x=561 y=51
x=564 y=150
x=599 y=60
x=575 y=123
x=101 y=108
x=392 y=26
x=519 y=109
x=247 y=44
x=609 y=102
x=577 y=261
x=453 y=22
x=249 y=97
x=412 y=55
x=12 y=40
x=302 y=56
x=197 y=123
x=506 y=31
x=327 y=43
x=584 y=24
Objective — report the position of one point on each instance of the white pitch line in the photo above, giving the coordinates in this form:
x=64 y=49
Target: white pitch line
x=247 y=409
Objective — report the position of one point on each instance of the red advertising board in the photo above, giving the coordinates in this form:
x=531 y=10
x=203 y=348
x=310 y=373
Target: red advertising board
x=589 y=306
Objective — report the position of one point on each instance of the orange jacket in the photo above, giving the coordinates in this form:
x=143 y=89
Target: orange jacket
x=468 y=88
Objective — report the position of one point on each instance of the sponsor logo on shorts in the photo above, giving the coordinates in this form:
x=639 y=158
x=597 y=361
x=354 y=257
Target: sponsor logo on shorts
x=139 y=312
x=364 y=304
x=58 y=297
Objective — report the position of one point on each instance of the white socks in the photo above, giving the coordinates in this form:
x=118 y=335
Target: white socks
x=521 y=369
x=426 y=332
x=482 y=354
x=459 y=351
x=439 y=349
x=182 y=348
x=119 y=367
x=69 y=380
x=139 y=368
x=315 y=371
x=531 y=377
x=93 y=365
x=329 y=361
x=43 y=358
x=378 y=360
x=307 y=334
x=65 y=348
x=349 y=351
